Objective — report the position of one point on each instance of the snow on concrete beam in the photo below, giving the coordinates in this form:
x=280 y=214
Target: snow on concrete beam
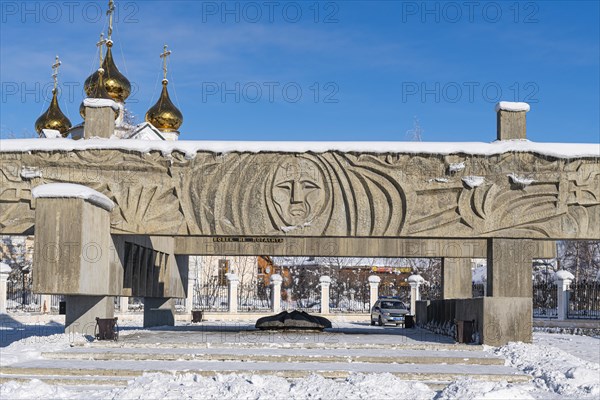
x=71 y=190
x=191 y=148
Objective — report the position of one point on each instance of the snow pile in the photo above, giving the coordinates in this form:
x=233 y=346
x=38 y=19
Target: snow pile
x=554 y=370
x=520 y=180
x=30 y=172
x=69 y=190
x=234 y=386
x=35 y=389
x=438 y=180
x=32 y=347
x=471 y=389
x=456 y=167
x=473 y=181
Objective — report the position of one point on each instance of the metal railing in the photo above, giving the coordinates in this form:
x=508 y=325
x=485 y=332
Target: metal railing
x=343 y=300
x=478 y=290
x=210 y=297
x=544 y=300
x=309 y=299
x=254 y=297
x=584 y=300
x=431 y=292
x=19 y=296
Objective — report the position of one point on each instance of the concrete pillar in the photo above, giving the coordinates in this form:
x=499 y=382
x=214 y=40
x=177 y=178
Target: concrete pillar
x=123 y=304
x=4 y=272
x=276 y=281
x=511 y=121
x=415 y=294
x=509 y=268
x=46 y=303
x=373 y=289
x=99 y=118
x=456 y=278
x=72 y=247
x=159 y=311
x=189 y=300
x=232 y=292
x=83 y=310
x=563 y=280
x=325 y=282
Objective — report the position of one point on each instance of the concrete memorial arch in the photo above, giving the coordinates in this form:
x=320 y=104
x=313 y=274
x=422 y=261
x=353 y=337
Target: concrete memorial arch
x=142 y=207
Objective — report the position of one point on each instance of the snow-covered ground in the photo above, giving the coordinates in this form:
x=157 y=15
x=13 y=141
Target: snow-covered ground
x=561 y=366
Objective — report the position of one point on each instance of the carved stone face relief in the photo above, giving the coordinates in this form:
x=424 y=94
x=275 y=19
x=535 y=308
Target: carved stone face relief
x=298 y=191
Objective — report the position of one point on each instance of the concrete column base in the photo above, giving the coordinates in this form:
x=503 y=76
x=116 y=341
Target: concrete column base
x=159 y=311
x=83 y=310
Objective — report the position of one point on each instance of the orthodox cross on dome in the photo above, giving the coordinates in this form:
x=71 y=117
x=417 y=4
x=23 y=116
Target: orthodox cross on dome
x=100 y=44
x=55 y=67
x=166 y=53
x=109 y=12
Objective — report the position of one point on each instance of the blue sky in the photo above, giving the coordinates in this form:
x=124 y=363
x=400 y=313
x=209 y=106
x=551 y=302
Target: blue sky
x=343 y=70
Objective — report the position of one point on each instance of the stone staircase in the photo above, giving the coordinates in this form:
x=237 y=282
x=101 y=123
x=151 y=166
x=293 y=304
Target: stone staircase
x=113 y=364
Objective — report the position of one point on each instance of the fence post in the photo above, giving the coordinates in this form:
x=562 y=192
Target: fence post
x=189 y=300
x=373 y=289
x=232 y=292
x=414 y=281
x=123 y=304
x=4 y=272
x=563 y=280
x=325 y=283
x=276 y=281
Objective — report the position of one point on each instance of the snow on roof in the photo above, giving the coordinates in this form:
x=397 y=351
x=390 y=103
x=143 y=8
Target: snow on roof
x=71 y=190
x=191 y=148
x=512 y=106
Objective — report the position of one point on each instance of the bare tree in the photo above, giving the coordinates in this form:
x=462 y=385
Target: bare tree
x=580 y=257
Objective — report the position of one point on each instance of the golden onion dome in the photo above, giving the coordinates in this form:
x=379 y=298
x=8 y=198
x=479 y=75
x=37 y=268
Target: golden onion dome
x=99 y=92
x=164 y=115
x=53 y=118
x=116 y=84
